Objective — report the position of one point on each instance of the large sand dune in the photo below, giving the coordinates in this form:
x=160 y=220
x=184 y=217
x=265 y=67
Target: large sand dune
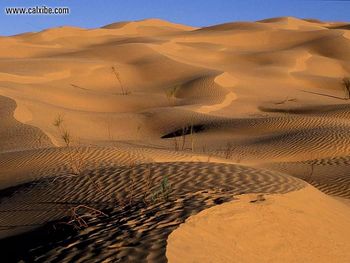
x=205 y=114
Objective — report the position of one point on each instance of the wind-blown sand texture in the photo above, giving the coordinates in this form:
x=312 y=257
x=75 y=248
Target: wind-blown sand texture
x=166 y=121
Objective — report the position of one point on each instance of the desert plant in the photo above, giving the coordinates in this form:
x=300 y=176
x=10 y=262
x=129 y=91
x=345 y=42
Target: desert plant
x=187 y=130
x=176 y=144
x=109 y=132
x=171 y=94
x=78 y=218
x=179 y=138
x=63 y=133
x=346 y=85
x=183 y=136
x=58 y=121
x=75 y=158
x=311 y=173
x=116 y=74
x=66 y=137
x=163 y=192
x=192 y=137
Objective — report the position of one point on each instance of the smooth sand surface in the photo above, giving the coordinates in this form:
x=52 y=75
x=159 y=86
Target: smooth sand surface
x=204 y=114
x=301 y=226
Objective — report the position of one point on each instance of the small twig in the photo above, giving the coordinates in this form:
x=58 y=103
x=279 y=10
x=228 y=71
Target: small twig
x=310 y=175
x=78 y=220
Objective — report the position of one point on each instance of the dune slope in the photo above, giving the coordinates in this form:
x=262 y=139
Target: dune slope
x=301 y=226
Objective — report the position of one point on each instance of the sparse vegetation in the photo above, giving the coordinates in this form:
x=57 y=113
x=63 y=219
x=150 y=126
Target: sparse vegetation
x=63 y=132
x=81 y=213
x=124 y=90
x=75 y=158
x=171 y=94
x=58 y=121
x=176 y=144
x=192 y=137
x=346 y=85
x=187 y=130
x=66 y=137
x=179 y=137
x=163 y=191
x=310 y=174
x=109 y=131
x=183 y=135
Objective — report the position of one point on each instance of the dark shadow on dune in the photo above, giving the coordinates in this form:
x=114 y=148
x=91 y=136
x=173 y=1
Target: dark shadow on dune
x=25 y=246
x=135 y=232
x=315 y=109
x=344 y=27
x=185 y=131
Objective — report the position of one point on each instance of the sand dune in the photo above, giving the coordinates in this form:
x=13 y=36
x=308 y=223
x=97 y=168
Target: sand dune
x=47 y=200
x=211 y=113
x=279 y=228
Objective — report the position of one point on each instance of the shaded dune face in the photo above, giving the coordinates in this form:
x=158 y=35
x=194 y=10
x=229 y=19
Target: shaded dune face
x=216 y=112
x=136 y=231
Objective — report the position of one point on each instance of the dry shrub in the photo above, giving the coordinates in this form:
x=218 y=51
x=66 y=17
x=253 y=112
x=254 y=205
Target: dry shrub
x=162 y=193
x=171 y=94
x=75 y=156
x=346 y=85
x=124 y=90
x=81 y=213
